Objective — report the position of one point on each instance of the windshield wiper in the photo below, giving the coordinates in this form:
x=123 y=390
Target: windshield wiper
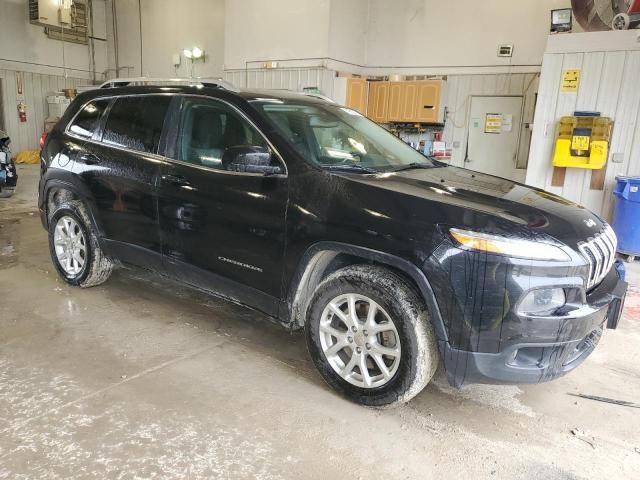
x=412 y=166
x=349 y=168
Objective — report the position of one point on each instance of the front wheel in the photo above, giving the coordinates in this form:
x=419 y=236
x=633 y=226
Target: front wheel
x=370 y=336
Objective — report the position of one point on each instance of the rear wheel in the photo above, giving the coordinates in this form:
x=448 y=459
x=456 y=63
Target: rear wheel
x=74 y=247
x=370 y=336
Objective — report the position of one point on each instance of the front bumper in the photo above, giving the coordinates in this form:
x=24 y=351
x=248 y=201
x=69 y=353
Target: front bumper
x=547 y=357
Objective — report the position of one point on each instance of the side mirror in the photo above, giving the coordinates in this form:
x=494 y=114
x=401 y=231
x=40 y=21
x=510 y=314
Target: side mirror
x=249 y=159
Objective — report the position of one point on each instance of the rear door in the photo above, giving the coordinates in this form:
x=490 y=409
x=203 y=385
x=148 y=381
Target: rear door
x=120 y=166
x=222 y=230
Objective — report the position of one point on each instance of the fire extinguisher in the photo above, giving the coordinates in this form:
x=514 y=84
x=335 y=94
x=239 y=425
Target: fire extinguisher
x=22 y=112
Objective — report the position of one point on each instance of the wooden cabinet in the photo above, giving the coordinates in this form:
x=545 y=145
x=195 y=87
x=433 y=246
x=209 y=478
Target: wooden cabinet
x=407 y=101
x=428 y=101
x=357 y=90
x=377 y=107
x=397 y=92
x=409 y=105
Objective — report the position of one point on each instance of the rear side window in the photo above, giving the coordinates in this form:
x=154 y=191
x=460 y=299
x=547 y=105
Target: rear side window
x=136 y=122
x=86 y=121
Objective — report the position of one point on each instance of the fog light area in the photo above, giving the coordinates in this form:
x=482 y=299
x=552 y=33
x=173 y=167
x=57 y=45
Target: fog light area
x=543 y=301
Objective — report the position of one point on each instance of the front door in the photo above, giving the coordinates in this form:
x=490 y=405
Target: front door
x=494 y=135
x=222 y=230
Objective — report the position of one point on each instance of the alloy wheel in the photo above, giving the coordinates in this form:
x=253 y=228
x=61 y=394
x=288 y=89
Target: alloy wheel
x=360 y=341
x=70 y=246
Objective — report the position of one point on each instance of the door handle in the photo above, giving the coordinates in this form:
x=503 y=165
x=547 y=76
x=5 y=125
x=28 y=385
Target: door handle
x=175 y=180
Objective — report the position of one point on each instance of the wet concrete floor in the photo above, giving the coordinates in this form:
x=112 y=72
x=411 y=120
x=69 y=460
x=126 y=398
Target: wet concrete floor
x=143 y=378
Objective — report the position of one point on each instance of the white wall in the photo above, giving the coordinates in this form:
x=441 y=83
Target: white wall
x=129 y=58
x=458 y=91
x=36 y=87
x=285 y=79
x=610 y=69
x=39 y=62
x=400 y=36
x=25 y=47
x=169 y=27
x=347 y=30
x=258 y=30
x=446 y=33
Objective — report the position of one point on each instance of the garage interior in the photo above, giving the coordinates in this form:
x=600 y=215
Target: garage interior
x=143 y=377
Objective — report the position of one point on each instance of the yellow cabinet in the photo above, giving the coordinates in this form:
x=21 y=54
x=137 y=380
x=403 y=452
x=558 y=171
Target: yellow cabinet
x=428 y=101
x=397 y=93
x=377 y=108
x=357 y=94
x=409 y=105
x=405 y=101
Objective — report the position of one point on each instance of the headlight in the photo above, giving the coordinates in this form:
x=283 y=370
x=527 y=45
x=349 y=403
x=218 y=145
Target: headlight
x=543 y=301
x=511 y=247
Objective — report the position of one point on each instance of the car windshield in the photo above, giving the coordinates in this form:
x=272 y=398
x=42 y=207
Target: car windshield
x=335 y=137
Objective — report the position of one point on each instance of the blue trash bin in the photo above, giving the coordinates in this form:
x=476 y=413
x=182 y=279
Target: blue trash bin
x=626 y=215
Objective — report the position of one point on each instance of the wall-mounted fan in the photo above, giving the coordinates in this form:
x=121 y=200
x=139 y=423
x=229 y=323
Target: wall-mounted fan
x=597 y=15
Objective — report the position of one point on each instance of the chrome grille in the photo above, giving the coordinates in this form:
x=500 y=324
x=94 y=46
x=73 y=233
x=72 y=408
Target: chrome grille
x=600 y=253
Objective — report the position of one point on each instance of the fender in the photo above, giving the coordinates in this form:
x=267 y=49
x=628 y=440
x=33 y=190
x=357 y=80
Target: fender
x=79 y=191
x=314 y=253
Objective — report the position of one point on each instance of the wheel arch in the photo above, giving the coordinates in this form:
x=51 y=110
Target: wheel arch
x=57 y=191
x=323 y=258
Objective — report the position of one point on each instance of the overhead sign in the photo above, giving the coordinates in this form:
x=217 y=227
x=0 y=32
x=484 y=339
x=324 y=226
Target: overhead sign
x=570 y=80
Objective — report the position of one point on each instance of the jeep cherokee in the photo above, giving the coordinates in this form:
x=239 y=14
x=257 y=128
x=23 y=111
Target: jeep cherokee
x=310 y=213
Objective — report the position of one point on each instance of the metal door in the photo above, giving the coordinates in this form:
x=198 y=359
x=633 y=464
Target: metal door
x=494 y=136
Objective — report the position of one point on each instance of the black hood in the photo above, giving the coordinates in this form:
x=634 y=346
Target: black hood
x=483 y=202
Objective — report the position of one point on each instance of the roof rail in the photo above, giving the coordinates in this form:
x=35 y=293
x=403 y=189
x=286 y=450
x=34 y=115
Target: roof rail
x=320 y=96
x=202 y=82
x=307 y=94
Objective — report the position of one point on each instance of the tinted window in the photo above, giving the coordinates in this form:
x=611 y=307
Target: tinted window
x=88 y=118
x=136 y=122
x=208 y=128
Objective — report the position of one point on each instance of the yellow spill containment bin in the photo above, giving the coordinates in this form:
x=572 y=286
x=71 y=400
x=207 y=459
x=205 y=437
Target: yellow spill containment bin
x=583 y=142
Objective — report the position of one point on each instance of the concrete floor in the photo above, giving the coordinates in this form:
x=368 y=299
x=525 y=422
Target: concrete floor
x=141 y=378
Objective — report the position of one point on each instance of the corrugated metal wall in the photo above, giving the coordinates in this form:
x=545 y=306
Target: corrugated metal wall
x=36 y=87
x=610 y=84
x=457 y=94
x=283 y=79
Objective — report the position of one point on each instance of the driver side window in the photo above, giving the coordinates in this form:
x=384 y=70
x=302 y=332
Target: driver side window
x=208 y=128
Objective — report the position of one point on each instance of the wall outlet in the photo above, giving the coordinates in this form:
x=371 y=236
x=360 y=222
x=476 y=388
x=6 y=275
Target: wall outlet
x=176 y=59
x=617 y=157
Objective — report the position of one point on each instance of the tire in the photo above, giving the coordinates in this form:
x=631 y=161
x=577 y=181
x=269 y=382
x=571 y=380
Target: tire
x=7 y=192
x=97 y=267
x=621 y=21
x=406 y=373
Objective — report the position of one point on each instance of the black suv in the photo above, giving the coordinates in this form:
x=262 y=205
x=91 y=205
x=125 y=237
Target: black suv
x=308 y=212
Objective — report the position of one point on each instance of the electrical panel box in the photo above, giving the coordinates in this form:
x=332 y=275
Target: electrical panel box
x=52 y=13
x=583 y=142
